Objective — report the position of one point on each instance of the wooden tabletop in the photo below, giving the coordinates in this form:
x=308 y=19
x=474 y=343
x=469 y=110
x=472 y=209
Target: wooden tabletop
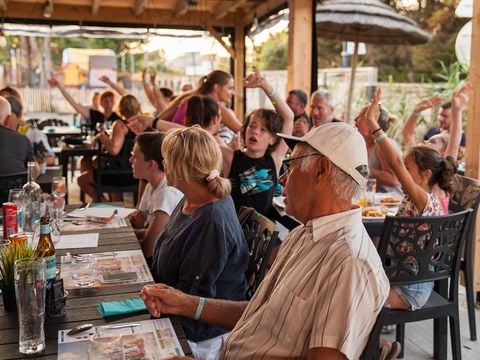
x=82 y=302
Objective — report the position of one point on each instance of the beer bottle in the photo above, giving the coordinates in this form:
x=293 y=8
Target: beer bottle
x=45 y=247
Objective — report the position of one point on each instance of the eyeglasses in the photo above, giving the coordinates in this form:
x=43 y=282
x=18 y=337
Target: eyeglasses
x=287 y=163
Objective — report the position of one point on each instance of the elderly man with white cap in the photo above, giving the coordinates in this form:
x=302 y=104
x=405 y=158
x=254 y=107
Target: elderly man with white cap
x=324 y=291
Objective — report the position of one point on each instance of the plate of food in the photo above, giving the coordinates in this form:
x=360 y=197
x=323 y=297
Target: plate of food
x=388 y=200
x=374 y=212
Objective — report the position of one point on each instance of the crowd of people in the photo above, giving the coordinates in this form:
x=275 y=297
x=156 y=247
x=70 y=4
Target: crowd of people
x=197 y=164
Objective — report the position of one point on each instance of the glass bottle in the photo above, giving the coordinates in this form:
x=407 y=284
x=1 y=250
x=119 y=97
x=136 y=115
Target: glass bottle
x=32 y=195
x=45 y=247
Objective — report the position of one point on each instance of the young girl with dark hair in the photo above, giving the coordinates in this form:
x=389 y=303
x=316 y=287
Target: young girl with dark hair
x=254 y=171
x=421 y=169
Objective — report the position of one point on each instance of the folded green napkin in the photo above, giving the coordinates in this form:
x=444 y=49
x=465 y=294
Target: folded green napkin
x=112 y=308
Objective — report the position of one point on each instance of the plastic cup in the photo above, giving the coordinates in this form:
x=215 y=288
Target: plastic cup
x=84 y=271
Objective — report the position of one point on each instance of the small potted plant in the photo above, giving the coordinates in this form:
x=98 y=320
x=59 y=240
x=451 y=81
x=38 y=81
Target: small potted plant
x=9 y=253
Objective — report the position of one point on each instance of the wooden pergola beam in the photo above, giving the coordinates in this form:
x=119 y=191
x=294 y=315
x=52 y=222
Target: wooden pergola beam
x=263 y=9
x=181 y=8
x=227 y=7
x=239 y=70
x=139 y=7
x=95 y=6
x=218 y=37
x=3 y=7
x=473 y=131
x=32 y=13
x=300 y=45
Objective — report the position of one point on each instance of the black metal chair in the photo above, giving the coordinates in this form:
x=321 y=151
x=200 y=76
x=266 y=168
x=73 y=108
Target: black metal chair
x=372 y=349
x=11 y=181
x=421 y=249
x=467 y=196
x=114 y=166
x=261 y=234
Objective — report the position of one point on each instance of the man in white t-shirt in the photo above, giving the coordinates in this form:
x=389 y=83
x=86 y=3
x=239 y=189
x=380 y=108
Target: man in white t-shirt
x=158 y=200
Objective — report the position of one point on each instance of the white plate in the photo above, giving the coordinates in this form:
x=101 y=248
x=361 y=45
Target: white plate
x=379 y=197
x=279 y=201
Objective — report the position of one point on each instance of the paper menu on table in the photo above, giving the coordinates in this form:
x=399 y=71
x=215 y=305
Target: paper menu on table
x=76 y=241
x=101 y=212
x=149 y=339
x=113 y=265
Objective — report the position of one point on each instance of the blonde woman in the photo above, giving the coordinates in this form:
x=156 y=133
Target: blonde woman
x=202 y=250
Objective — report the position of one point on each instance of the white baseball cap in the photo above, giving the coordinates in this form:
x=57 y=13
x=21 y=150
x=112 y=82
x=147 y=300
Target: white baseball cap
x=342 y=144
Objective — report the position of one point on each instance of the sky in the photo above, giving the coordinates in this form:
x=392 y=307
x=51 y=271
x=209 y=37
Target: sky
x=175 y=47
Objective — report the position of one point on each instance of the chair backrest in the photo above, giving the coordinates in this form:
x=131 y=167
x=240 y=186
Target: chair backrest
x=113 y=165
x=260 y=233
x=419 y=249
x=466 y=196
x=372 y=348
x=11 y=181
x=51 y=122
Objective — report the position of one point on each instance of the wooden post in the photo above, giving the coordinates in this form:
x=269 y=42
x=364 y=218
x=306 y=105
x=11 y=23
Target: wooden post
x=300 y=45
x=239 y=68
x=473 y=131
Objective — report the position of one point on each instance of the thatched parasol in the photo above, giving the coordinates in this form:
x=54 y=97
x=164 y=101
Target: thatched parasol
x=368 y=21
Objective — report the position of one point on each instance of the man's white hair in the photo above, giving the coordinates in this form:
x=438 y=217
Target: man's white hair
x=324 y=94
x=5 y=110
x=343 y=185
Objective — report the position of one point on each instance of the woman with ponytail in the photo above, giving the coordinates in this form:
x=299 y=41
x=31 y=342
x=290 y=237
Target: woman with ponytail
x=220 y=87
x=202 y=250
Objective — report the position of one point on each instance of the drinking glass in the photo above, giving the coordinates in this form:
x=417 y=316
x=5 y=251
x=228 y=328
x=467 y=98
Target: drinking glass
x=84 y=270
x=59 y=186
x=30 y=290
x=371 y=190
x=16 y=196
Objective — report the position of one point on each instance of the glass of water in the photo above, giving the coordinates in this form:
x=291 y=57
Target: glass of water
x=84 y=270
x=30 y=290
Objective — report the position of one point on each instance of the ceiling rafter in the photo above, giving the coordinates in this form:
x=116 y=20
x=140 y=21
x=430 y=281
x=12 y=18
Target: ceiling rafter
x=95 y=6
x=26 y=12
x=180 y=8
x=227 y=7
x=139 y=7
x=264 y=8
x=3 y=6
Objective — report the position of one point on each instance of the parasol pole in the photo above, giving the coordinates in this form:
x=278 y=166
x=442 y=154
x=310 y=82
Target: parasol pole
x=352 y=81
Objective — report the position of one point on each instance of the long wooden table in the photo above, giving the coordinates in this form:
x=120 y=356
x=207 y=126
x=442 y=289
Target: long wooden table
x=82 y=302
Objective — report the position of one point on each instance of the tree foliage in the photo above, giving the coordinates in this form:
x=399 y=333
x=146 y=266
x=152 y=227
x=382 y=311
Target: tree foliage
x=398 y=63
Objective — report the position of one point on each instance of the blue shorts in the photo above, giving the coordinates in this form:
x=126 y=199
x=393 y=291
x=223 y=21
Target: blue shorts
x=416 y=295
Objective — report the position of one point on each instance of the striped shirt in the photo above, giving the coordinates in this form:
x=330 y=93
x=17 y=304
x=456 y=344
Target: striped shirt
x=325 y=289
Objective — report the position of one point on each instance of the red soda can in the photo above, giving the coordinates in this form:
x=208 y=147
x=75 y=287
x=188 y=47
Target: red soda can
x=10 y=219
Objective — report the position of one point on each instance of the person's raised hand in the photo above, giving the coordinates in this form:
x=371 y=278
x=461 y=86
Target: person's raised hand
x=153 y=78
x=139 y=123
x=373 y=111
x=254 y=80
x=461 y=97
x=105 y=79
x=53 y=82
x=144 y=74
x=429 y=103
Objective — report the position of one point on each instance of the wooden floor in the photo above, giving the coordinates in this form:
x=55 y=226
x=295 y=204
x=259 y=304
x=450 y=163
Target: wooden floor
x=419 y=336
